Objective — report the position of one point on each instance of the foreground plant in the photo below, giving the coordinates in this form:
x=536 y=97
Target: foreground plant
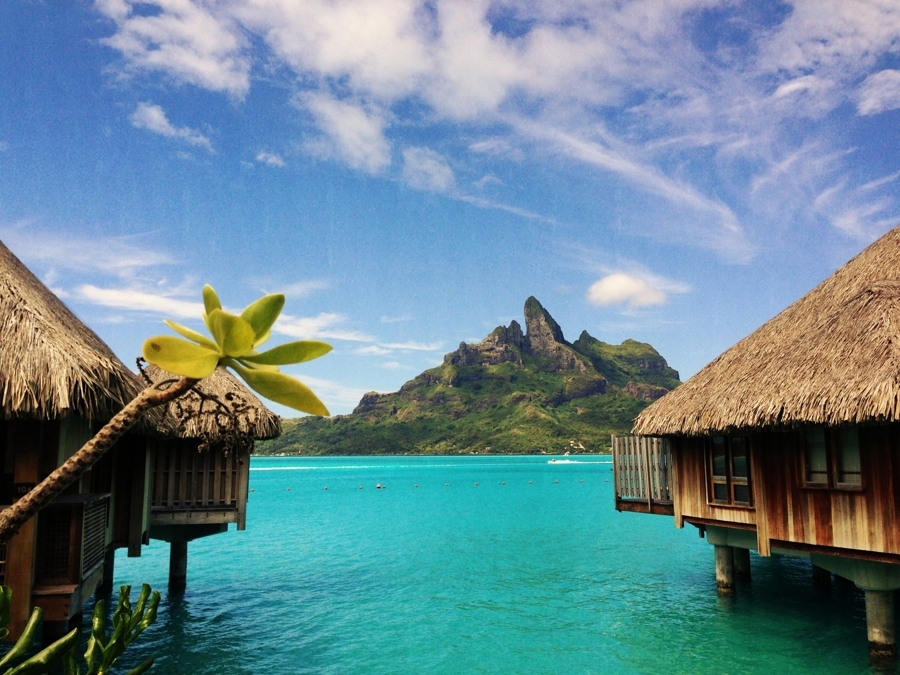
x=234 y=341
x=103 y=651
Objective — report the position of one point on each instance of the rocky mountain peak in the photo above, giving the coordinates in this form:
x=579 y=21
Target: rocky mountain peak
x=539 y=325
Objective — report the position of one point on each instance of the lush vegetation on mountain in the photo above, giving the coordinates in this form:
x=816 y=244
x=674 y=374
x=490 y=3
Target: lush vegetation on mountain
x=511 y=393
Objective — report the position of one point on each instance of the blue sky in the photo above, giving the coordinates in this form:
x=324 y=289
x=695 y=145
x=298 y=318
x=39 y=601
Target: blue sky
x=408 y=173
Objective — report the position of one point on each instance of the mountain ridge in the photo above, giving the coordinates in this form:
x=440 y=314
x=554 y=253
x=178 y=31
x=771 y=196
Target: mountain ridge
x=513 y=392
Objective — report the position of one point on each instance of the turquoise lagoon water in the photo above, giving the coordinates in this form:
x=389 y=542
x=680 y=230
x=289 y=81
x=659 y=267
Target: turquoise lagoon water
x=529 y=571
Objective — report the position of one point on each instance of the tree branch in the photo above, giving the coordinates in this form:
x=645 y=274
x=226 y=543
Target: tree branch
x=13 y=517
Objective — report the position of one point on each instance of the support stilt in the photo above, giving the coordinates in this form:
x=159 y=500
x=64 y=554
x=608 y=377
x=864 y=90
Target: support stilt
x=880 y=625
x=178 y=557
x=109 y=567
x=725 y=570
x=742 y=564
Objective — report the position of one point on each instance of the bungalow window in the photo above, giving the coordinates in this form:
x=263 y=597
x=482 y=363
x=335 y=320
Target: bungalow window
x=831 y=457
x=729 y=462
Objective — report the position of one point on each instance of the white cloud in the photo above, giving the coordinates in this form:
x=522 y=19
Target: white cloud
x=123 y=256
x=372 y=350
x=137 y=301
x=391 y=365
x=620 y=288
x=879 y=92
x=425 y=169
x=194 y=43
x=153 y=118
x=396 y=319
x=414 y=346
x=271 y=159
x=323 y=326
x=352 y=133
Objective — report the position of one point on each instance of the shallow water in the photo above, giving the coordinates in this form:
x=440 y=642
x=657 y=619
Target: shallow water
x=529 y=571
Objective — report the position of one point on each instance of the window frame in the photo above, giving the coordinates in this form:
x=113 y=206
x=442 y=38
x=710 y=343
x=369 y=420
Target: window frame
x=833 y=455
x=729 y=479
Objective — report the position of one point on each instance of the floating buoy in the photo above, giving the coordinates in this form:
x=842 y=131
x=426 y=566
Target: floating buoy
x=416 y=485
x=476 y=484
x=529 y=482
x=326 y=487
x=446 y=484
x=580 y=481
x=378 y=486
x=360 y=487
x=288 y=489
x=503 y=483
x=556 y=481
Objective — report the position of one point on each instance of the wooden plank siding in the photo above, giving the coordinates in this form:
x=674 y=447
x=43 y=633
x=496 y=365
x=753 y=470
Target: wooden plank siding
x=188 y=481
x=863 y=519
x=691 y=485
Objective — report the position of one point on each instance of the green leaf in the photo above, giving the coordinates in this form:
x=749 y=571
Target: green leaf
x=291 y=352
x=180 y=357
x=263 y=313
x=190 y=334
x=210 y=299
x=26 y=640
x=262 y=339
x=282 y=389
x=233 y=335
x=143 y=668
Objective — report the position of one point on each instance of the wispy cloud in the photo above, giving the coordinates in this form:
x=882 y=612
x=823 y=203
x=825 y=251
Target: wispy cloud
x=323 y=326
x=425 y=169
x=137 y=301
x=271 y=159
x=122 y=256
x=350 y=132
x=153 y=118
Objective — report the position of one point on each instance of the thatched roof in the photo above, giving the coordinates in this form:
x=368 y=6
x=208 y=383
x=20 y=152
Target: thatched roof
x=832 y=357
x=51 y=364
x=196 y=417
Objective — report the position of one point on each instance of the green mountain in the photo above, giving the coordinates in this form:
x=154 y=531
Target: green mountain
x=513 y=392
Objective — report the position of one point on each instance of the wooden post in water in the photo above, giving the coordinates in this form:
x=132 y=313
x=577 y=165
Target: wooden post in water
x=725 y=570
x=109 y=567
x=178 y=557
x=742 y=564
x=880 y=625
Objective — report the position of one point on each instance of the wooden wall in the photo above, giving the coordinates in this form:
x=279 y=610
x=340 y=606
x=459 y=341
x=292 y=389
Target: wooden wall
x=865 y=520
x=691 y=488
x=786 y=512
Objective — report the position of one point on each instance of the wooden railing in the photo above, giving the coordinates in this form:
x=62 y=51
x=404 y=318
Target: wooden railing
x=642 y=469
x=199 y=487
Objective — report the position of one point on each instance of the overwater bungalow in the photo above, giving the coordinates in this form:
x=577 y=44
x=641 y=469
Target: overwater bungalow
x=789 y=442
x=180 y=474
x=201 y=474
x=58 y=384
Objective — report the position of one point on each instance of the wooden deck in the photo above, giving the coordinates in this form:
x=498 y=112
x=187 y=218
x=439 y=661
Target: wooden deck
x=642 y=468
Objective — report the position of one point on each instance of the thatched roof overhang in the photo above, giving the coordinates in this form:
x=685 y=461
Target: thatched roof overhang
x=52 y=364
x=198 y=416
x=833 y=357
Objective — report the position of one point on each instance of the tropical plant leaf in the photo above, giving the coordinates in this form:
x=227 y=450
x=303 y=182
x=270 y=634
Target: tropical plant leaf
x=233 y=335
x=210 y=299
x=262 y=339
x=261 y=315
x=282 y=389
x=190 y=334
x=290 y=352
x=180 y=357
